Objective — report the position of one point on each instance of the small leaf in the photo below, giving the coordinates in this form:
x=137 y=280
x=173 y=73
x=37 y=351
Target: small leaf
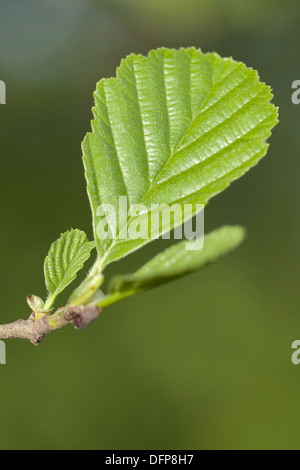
x=175 y=127
x=178 y=261
x=66 y=257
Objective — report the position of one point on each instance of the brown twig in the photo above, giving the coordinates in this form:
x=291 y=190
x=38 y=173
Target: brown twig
x=35 y=331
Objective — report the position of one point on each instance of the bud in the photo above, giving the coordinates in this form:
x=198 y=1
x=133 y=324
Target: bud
x=35 y=303
x=37 y=306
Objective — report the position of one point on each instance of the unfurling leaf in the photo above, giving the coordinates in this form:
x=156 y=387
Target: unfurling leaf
x=177 y=126
x=176 y=262
x=65 y=259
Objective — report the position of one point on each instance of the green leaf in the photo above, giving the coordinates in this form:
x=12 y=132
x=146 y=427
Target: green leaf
x=65 y=259
x=175 y=262
x=177 y=126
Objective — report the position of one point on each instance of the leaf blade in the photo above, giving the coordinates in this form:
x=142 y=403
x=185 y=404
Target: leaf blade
x=177 y=126
x=177 y=261
x=65 y=259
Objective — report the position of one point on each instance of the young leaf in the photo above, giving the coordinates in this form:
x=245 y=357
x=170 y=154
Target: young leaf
x=177 y=126
x=66 y=257
x=175 y=262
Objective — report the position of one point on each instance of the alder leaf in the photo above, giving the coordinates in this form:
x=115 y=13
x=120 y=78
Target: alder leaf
x=175 y=262
x=65 y=259
x=175 y=127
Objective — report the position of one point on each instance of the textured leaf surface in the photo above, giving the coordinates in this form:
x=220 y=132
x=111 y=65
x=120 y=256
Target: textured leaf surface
x=65 y=259
x=177 y=126
x=177 y=261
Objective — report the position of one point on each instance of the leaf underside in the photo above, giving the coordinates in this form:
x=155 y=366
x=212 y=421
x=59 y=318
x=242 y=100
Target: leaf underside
x=65 y=259
x=177 y=126
x=177 y=261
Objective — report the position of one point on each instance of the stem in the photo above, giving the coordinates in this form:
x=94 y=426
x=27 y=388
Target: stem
x=49 y=302
x=80 y=317
x=113 y=298
x=86 y=291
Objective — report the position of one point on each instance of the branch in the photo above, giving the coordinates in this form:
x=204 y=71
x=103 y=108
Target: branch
x=35 y=331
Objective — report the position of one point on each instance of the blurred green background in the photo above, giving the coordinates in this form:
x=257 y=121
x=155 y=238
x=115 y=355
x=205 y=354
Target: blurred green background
x=204 y=363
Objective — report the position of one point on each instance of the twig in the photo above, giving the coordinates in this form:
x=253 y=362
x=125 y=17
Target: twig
x=80 y=317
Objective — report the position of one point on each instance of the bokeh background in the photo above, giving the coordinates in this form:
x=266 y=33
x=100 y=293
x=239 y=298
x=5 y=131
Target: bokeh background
x=204 y=363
